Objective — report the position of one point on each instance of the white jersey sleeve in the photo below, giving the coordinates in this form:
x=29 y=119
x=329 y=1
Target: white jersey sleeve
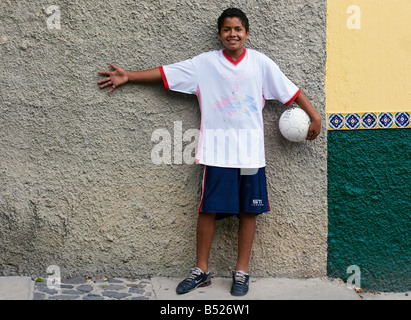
x=276 y=86
x=182 y=76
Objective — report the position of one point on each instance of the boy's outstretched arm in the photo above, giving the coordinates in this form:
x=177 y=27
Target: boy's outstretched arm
x=120 y=76
x=315 y=127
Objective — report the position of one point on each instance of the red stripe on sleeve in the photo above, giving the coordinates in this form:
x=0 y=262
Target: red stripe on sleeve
x=293 y=98
x=165 y=82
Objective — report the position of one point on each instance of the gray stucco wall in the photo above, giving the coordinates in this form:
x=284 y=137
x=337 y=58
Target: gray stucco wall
x=78 y=187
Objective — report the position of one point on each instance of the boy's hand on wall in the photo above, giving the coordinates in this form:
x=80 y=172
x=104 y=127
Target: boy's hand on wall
x=115 y=78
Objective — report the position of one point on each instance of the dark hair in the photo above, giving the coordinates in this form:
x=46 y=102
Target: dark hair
x=231 y=13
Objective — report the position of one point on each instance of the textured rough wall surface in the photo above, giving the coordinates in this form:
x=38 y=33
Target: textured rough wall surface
x=369 y=207
x=78 y=186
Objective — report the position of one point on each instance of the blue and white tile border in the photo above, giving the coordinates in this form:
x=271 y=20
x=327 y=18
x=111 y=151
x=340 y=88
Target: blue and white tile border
x=369 y=120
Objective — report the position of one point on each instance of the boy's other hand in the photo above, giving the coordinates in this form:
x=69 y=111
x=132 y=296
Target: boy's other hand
x=115 y=78
x=314 y=129
x=315 y=126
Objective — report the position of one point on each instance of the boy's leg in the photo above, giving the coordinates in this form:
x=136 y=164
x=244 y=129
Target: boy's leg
x=200 y=276
x=253 y=201
x=205 y=233
x=246 y=233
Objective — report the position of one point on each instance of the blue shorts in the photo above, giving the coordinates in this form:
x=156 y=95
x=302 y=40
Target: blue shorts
x=228 y=191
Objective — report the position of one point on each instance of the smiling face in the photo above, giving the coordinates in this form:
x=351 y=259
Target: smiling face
x=233 y=36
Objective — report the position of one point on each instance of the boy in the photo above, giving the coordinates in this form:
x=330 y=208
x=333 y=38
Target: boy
x=232 y=86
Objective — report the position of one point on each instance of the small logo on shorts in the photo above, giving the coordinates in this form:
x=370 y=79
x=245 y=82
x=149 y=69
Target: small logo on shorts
x=257 y=203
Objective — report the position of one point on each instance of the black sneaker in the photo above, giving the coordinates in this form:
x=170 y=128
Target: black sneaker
x=240 y=283
x=196 y=278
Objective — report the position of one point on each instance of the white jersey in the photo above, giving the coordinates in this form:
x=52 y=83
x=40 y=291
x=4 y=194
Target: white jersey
x=231 y=95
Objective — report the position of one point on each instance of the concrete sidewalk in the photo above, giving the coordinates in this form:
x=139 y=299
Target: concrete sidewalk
x=16 y=288
x=271 y=289
x=158 y=288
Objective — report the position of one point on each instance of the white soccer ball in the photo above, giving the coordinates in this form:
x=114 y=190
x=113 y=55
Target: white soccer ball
x=294 y=124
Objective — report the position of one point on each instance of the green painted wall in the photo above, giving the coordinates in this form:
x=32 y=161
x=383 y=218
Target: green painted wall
x=369 y=207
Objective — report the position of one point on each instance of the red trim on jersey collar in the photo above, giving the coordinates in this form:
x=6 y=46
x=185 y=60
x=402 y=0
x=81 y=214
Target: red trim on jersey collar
x=235 y=62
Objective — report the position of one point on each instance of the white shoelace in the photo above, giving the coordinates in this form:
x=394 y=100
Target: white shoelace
x=194 y=273
x=239 y=276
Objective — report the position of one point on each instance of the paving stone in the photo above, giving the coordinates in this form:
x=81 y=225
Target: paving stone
x=115 y=287
x=85 y=288
x=93 y=297
x=75 y=280
x=63 y=297
x=136 y=285
x=39 y=296
x=115 y=280
x=66 y=286
x=45 y=289
x=73 y=292
x=140 y=298
x=136 y=290
x=115 y=294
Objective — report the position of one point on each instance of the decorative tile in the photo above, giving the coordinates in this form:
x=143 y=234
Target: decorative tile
x=385 y=120
x=369 y=120
x=402 y=119
x=336 y=121
x=352 y=121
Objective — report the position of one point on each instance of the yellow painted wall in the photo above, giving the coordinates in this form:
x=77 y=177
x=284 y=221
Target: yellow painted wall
x=368 y=69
